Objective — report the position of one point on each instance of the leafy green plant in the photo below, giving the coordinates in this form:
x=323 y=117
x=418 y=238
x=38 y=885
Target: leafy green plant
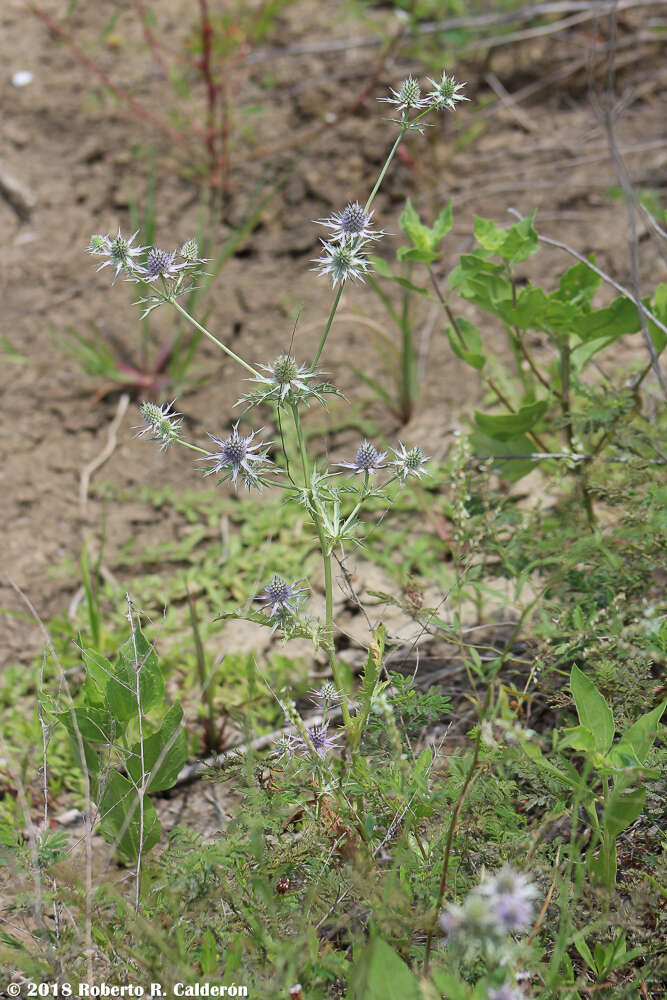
x=124 y=746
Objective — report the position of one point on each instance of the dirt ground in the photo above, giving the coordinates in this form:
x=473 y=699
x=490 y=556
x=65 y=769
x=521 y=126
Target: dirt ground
x=72 y=150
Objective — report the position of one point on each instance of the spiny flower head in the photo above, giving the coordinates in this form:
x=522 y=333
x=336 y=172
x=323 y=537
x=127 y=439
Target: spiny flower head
x=408 y=98
x=352 y=224
x=190 y=253
x=119 y=251
x=367 y=459
x=279 y=595
x=320 y=739
x=326 y=696
x=446 y=93
x=238 y=454
x=160 y=264
x=409 y=461
x=342 y=261
x=506 y=992
x=510 y=898
x=163 y=425
x=285 y=377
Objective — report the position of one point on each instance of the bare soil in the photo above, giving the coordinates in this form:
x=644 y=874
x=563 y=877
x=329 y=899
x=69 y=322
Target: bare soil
x=80 y=159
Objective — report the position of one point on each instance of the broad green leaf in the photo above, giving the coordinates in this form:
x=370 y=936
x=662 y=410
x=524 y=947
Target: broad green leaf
x=165 y=751
x=473 y=352
x=121 y=820
x=98 y=672
x=617 y=319
x=579 y=738
x=579 y=284
x=508 y=425
x=593 y=711
x=659 y=309
x=488 y=235
x=412 y=225
x=208 y=955
x=638 y=739
x=514 y=244
x=423 y=255
x=381 y=974
x=94 y=724
x=582 y=354
x=622 y=808
x=449 y=985
x=511 y=469
x=381 y=267
x=443 y=223
x=122 y=687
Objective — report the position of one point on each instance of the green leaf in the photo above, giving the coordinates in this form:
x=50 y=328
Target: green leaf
x=623 y=807
x=639 y=738
x=424 y=239
x=472 y=353
x=617 y=319
x=381 y=974
x=659 y=309
x=423 y=256
x=502 y=427
x=579 y=284
x=449 y=985
x=582 y=354
x=208 y=955
x=121 y=818
x=121 y=688
x=370 y=681
x=585 y=952
x=509 y=468
x=579 y=738
x=593 y=711
x=513 y=245
x=165 y=753
x=412 y=225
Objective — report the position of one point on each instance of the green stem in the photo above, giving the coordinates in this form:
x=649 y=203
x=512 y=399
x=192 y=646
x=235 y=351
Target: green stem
x=375 y=190
x=218 y=343
x=328 y=326
x=328 y=578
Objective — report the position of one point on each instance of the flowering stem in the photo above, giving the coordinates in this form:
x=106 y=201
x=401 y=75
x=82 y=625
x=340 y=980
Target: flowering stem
x=375 y=190
x=328 y=326
x=452 y=828
x=193 y=447
x=328 y=578
x=223 y=347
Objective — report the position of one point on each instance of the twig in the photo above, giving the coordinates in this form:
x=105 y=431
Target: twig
x=606 y=114
x=602 y=274
x=107 y=452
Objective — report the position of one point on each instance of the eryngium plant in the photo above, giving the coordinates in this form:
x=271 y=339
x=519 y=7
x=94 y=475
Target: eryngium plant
x=289 y=385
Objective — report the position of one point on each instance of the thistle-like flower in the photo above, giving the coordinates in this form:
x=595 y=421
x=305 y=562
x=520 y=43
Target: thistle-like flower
x=506 y=992
x=408 y=98
x=409 y=461
x=326 y=697
x=342 y=261
x=190 y=253
x=283 y=746
x=238 y=454
x=320 y=739
x=161 y=264
x=368 y=459
x=285 y=378
x=352 y=224
x=510 y=898
x=446 y=93
x=280 y=596
x=162 y=425
x=119 y=251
